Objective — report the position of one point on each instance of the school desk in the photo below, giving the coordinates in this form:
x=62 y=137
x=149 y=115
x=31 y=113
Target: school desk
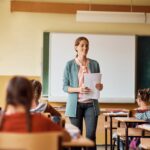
x=128 y=121
x=77 y=139
x=111 y=113
x=145 y=142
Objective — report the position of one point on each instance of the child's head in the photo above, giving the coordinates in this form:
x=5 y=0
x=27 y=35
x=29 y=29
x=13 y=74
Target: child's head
x=19 y=92
x=143 y=96
x=37 y=89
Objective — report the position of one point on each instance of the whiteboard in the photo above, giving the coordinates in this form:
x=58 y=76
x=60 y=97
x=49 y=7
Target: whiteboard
x=115 y=54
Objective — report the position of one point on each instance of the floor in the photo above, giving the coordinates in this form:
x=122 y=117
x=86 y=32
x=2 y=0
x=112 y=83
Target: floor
x=100 y=147
x=103 y=148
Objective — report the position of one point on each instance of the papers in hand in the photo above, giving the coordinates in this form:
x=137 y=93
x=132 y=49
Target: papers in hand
x=90 y=81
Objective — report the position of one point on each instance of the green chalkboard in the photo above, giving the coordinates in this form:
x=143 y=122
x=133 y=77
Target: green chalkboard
x=45 y=67
x=143 y=62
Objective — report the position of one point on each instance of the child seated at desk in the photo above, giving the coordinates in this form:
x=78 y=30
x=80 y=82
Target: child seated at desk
x=143 y=99
x=142 y=112
x=17 y=118
x=42 y=106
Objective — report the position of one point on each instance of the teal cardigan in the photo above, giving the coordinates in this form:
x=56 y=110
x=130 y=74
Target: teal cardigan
x=70 y=79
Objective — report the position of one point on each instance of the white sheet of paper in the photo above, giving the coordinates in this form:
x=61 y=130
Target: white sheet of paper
x=90 y=81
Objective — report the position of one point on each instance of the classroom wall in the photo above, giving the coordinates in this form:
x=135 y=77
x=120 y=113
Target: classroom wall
x=21 y=38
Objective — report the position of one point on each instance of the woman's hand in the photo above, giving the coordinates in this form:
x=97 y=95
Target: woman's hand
x=99 y=86
x=84 y=90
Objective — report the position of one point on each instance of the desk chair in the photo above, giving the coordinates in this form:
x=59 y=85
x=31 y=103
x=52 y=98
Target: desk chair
x=30 y=141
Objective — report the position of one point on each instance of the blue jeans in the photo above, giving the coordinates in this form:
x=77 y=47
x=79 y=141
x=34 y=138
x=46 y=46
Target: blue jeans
x=86 y=111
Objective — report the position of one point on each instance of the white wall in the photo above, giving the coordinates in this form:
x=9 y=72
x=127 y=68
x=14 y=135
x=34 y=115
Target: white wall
x=21 y=40
x=21 y=36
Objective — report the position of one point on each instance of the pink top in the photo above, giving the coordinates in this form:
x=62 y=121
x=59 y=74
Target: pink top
x=82 y=70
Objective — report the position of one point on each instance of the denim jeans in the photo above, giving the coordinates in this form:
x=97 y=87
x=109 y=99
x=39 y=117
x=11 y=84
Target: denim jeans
x=86 y=111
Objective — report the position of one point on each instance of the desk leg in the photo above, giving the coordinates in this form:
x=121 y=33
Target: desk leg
x=118 y=138
x=110 y=132
x=143 y=133
x=105 y=138
x=127 y=146
x=105 y=134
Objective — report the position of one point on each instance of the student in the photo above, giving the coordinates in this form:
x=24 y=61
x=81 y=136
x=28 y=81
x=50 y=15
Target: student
x=17 y=117
x=142 y=112
x=42 y=106
x=143 y=99
x=77 y=107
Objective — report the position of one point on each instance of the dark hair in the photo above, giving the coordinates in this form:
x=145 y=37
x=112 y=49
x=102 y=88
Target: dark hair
x=144 y=94
x=37 y=89
x=19 y=92
x=78 y=40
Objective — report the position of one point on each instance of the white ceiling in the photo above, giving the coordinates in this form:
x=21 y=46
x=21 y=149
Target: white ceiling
x=114 y=2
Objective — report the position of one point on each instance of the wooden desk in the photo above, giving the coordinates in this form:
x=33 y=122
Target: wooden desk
x=145 y=142
x=79 y=142
x=144 y=127
x=113 y=110
x=111 y=113
x=127 y=121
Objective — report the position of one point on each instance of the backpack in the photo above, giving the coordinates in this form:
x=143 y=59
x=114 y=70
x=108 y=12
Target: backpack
x=134 y=143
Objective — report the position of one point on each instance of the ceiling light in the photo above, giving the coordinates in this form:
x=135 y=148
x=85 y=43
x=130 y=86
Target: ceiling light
x=110 y=17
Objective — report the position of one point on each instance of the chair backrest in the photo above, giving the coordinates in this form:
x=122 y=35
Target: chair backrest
x=31 y=141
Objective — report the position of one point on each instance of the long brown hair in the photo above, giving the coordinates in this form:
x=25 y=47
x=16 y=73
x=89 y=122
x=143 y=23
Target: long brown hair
x=37 y=89
x=19 y=92
x=78 y=40
x=144 y=94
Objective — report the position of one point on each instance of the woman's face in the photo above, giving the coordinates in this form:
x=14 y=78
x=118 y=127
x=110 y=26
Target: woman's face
x=82 y=48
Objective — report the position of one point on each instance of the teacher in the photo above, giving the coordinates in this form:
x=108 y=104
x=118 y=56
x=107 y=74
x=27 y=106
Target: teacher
x=79 y=108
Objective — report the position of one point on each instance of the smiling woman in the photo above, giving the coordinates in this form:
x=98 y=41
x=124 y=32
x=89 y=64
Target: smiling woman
x=78 y=107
